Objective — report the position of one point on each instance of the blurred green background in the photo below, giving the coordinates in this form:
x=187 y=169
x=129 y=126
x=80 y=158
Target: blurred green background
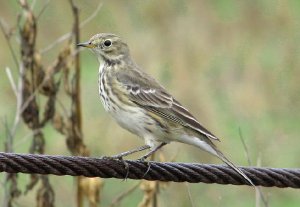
x=234 y=64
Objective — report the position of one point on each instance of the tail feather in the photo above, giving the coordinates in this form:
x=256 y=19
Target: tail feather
x=235 y=168
x=207 y=145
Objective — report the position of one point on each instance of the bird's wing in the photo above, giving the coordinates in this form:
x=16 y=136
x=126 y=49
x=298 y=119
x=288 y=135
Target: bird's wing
x=144 y=91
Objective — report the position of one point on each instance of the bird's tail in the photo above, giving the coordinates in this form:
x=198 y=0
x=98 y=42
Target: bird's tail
x=207 y=145
x=221 y=156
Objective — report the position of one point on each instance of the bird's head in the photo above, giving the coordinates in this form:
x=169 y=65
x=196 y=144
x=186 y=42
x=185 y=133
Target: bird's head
x=107 y=47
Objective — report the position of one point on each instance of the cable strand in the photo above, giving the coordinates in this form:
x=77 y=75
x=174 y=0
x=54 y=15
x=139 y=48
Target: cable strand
x=161 y=171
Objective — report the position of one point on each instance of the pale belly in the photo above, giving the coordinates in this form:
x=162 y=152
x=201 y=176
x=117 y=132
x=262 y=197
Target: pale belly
x=141 y=125
x=134 y=121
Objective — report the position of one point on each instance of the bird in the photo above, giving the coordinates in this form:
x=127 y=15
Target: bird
x=143 y=106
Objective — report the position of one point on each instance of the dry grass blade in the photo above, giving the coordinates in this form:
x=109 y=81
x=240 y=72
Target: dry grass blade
x=245 y=146
x=11 y=81
x=46 y=4
x=17 y=90
x=123 y=195
x=92 y=16
x=69 y=34
x=190 y=194
x=257 y=189
x=7 y=37
x=56 y=42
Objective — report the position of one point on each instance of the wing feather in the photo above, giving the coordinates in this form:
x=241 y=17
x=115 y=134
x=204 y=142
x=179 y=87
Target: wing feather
x=147 y=93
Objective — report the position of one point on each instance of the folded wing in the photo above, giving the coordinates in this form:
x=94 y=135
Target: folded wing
x=148 y=94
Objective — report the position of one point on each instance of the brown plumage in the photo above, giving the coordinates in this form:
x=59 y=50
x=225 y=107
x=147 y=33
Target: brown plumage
x=144 y=107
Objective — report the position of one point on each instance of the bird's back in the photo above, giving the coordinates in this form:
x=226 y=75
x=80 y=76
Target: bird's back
x=148 y=94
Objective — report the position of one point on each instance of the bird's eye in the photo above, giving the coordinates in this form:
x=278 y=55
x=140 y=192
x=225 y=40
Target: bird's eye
x=107 y=43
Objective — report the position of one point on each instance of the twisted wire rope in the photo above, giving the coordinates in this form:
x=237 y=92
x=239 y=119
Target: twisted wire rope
x=161 y=171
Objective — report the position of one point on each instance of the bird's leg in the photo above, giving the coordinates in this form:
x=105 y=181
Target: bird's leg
x=123 y=154
x=152 y=151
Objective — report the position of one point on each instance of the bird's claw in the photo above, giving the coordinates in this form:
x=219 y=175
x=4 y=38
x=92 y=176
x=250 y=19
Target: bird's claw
x=114 y=157
x=141 y=159
x=119 y=158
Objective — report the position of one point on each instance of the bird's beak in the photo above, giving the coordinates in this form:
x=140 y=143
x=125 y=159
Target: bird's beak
x=86 y=44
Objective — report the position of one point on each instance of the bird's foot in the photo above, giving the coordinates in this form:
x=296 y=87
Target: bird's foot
x=148 y=163
x=142 y=159
x=119 y=158
x=108 y=157
x=114 y=157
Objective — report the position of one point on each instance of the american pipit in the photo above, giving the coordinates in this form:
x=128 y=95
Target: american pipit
x=144 y=107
